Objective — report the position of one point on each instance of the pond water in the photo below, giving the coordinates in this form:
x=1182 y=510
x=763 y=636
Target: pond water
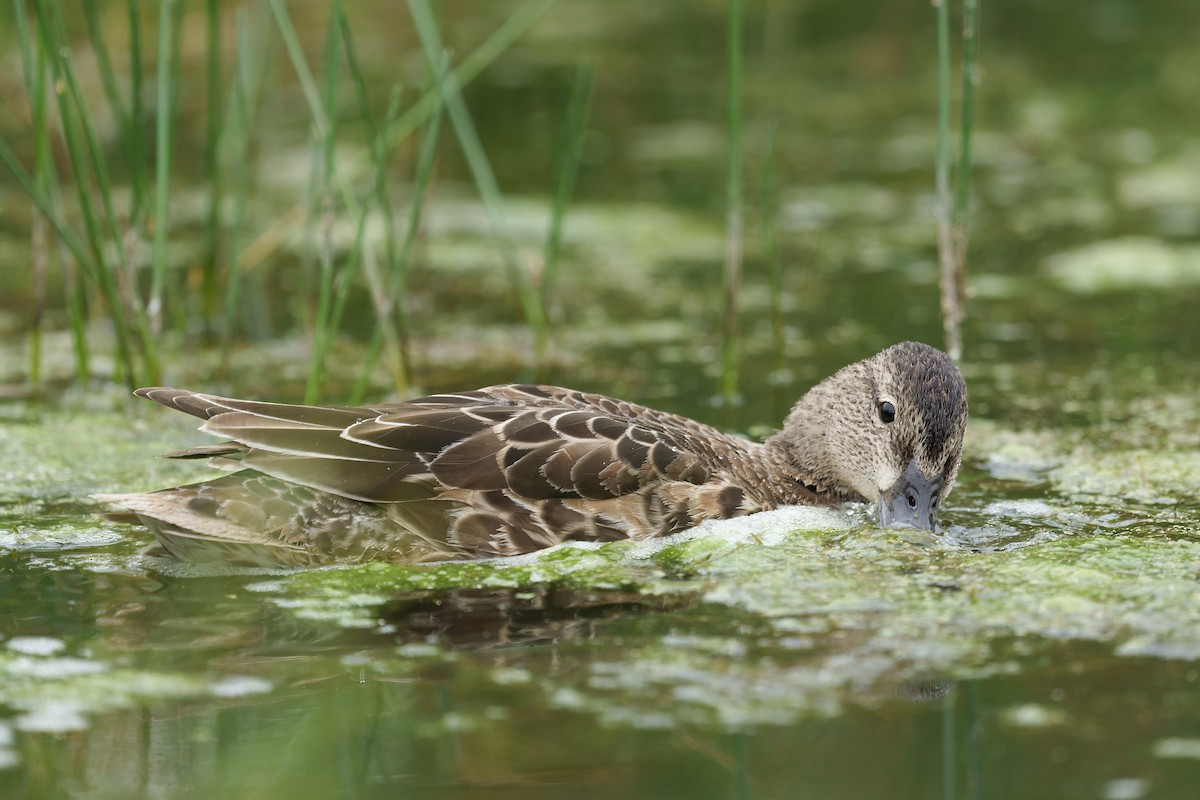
x=1046 y=646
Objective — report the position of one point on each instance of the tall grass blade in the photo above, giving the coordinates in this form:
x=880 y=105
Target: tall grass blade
x=390 y=313
x=731 y=274
x=107 y=77
x=72 y=119
x=326 y=321
x=570 y=153
x=962 y=194
x=296 y=54
x=951 y=303
x=119 y=244
x=481 y=169
x=33 y=72
x=388 y=297
x=418 y=114
x=163 y=128
x=770 y=238
x=391 y=305
x=480 y=59
x=137 y=147
x=214 y=131
x=239 y=139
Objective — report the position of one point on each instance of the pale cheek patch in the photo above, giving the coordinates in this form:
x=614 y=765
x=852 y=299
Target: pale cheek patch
x=887 y=477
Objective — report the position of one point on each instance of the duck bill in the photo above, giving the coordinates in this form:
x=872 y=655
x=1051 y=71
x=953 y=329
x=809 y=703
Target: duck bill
x=911 y=500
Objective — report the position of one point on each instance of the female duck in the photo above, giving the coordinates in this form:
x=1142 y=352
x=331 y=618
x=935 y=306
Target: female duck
x=513 y=469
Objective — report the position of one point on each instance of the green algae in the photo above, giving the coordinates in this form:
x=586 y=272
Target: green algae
x=1159 y=477
x=110 y=441
x=820 y=620
x=819 y=610
x=356 y=596
x=820 y=617
x=1126 y=263
x=56 y=694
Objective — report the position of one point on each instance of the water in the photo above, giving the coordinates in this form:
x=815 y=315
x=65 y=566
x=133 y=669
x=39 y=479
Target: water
x=1047 y=646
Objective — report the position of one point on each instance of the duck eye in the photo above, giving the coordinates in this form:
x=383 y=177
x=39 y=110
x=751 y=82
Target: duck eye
x=887 y=411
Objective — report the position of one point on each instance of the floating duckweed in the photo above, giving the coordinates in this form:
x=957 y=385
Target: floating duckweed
x=1147 y=476
x=57 y=694
x=507 y=676
x=63 y=536
x=240 y=686
x=1033 y=715
x=1126 y=789
x=1177 y=748
x=35 y=645
x=52 y=717
x=1128 y=263
x=1012 y=455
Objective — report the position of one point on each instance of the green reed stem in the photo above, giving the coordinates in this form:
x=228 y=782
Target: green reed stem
x=338 y=45
x=117 y=288
x=389 y=315
x=296 y=54
x=137 y=147
x=962 y=199
x=390 y=307
x=325 y=131
x=239 y=137
x=943 y=94
x=501 y=39
x=108 y=79
x=214 y=130
x=497 y=43
x=770 y=235
x=162 y=158
x=74 y=125
x=970 y=83
x=481 y=169
x=570 y=154
x=951 y=302
x=381 y=150
x=33 y=72
x=731 y=275
x=392 y=298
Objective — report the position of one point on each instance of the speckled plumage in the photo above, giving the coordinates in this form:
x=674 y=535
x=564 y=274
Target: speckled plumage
x=512 y=469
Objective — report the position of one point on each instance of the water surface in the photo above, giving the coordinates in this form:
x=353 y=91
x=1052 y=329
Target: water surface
x=1048 y=645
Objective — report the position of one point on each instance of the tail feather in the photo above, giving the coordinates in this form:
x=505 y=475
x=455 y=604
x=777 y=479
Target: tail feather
x=253 y=519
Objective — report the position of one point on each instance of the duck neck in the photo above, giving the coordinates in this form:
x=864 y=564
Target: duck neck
x=804 y=442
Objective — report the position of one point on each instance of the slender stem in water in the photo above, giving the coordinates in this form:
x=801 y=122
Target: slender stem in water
x=108 y=78
x=962 y=197
x=770 y=235
x=481 y=168
x=136 y=146
x=570 y=153
x=950 y=302
x=34 y=72
x=732 y=272
x=214 y=129
x=303 y=73
x=162 y=159
x=240 y=138
x=326 y=320
x=73 y=122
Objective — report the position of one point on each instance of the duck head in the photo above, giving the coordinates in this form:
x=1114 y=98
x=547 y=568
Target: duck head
x=888 y=429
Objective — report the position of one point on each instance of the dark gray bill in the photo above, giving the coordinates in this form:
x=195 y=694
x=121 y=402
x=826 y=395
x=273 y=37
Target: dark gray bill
x=912 y=500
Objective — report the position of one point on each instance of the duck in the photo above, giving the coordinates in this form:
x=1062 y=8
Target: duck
x=513 y=469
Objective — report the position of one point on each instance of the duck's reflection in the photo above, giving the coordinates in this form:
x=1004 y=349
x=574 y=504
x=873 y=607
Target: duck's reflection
x=538 y=613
